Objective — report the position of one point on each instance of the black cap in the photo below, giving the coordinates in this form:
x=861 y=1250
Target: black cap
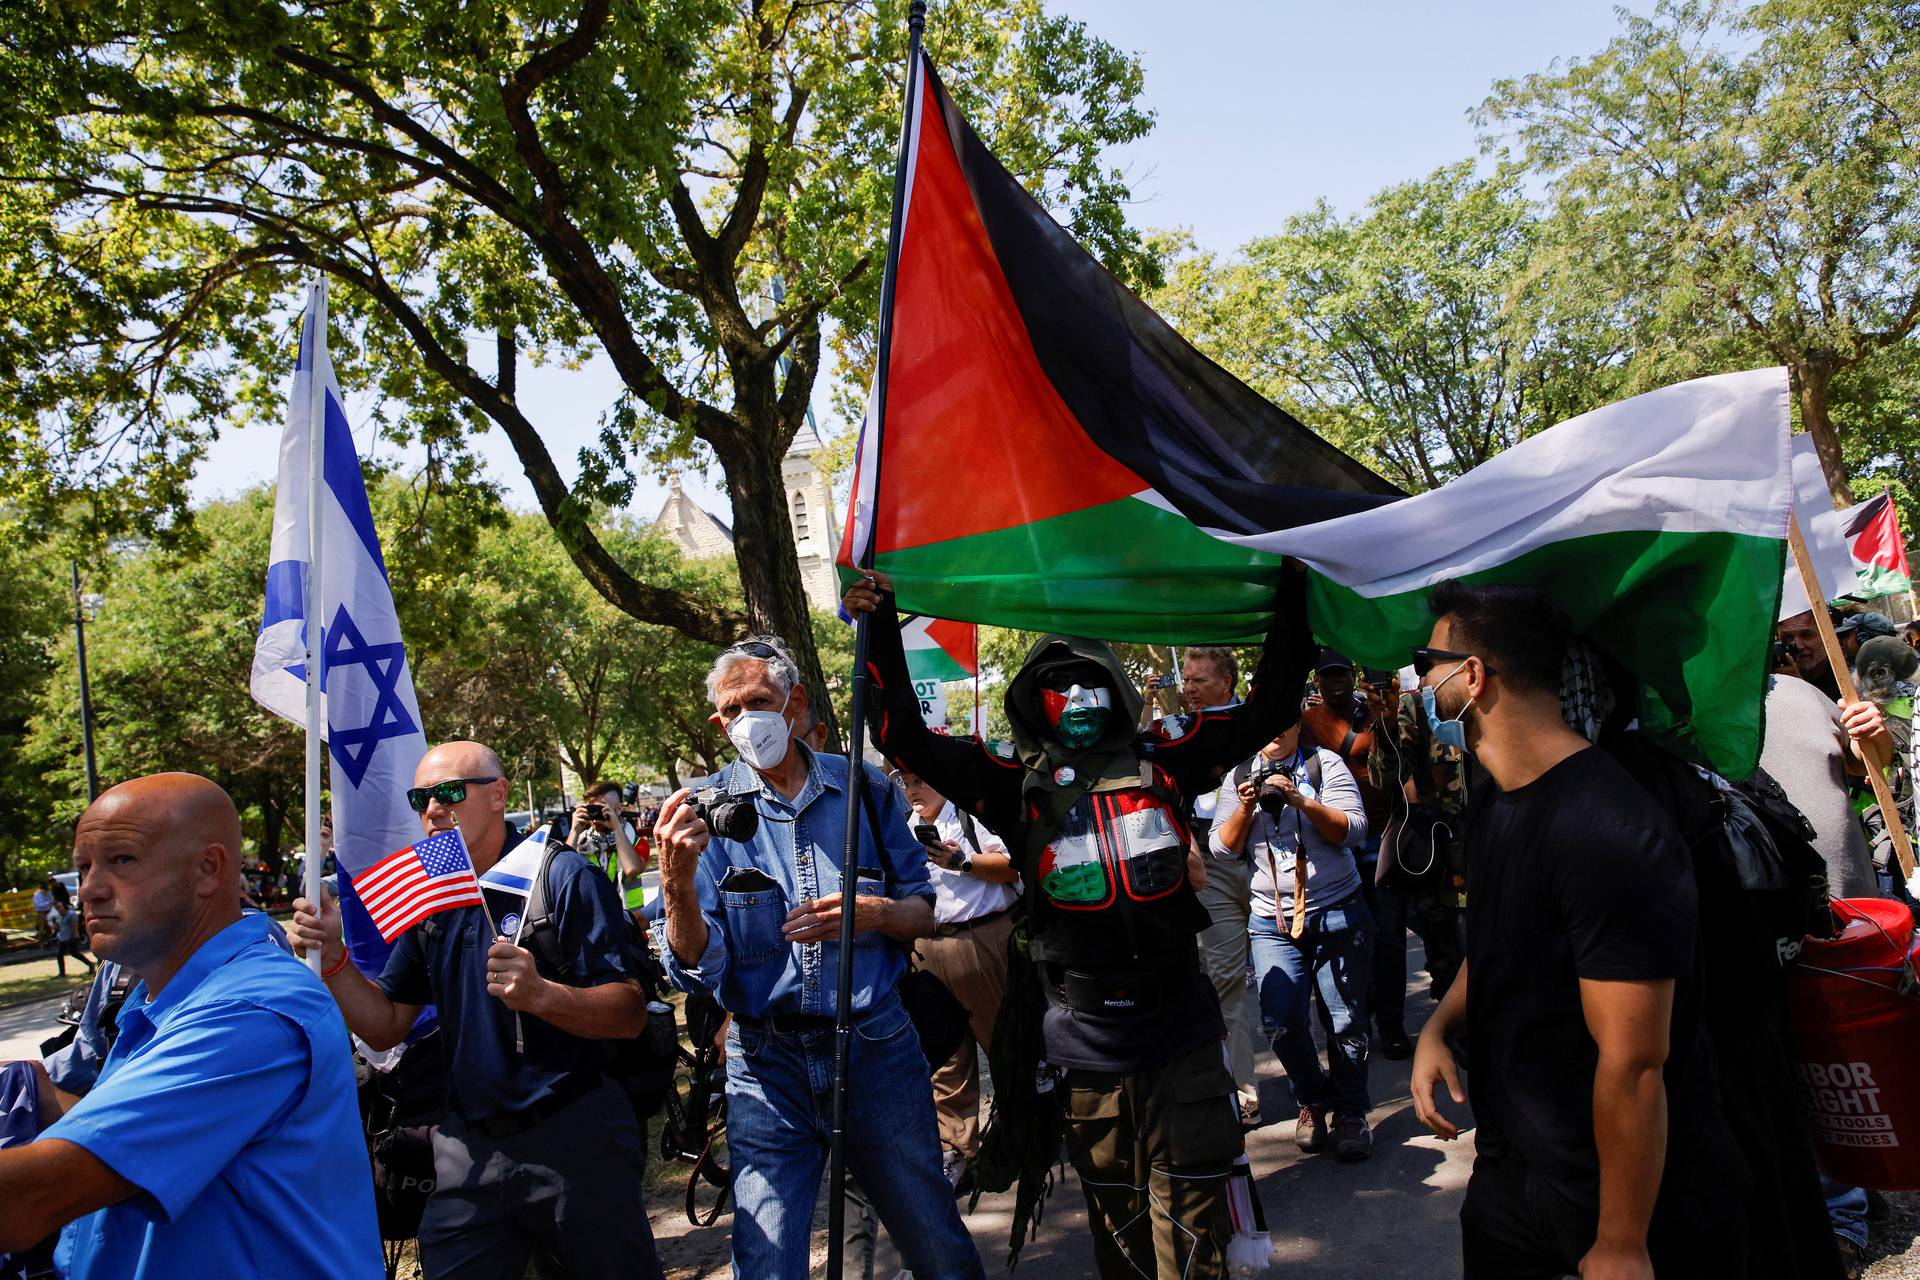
x=1330 y=659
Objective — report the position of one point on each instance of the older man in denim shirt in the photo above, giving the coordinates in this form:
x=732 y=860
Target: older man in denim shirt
x=757 y=924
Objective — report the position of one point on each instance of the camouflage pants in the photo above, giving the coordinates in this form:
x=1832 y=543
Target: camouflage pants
x=1154 y=1150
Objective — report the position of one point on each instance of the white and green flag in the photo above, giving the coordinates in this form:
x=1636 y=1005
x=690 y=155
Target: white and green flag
x=1659 y=522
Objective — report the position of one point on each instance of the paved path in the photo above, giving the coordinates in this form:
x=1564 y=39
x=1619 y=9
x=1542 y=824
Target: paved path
x=24 y=1026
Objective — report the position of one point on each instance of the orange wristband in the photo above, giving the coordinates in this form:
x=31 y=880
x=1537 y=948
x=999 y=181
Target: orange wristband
x=339 y=964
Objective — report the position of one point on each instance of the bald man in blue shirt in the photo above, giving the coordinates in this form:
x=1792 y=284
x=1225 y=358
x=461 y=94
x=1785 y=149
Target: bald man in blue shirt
x=222 y=1137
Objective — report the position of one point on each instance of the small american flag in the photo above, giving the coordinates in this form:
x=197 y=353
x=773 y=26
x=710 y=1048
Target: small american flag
x=402 y=888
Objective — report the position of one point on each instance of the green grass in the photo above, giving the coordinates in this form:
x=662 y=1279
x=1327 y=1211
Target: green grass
x=22 y=990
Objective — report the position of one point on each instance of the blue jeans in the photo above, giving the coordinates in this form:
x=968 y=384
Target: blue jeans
x=779 y=1125
x=1334 y=955
x=1846 y=1209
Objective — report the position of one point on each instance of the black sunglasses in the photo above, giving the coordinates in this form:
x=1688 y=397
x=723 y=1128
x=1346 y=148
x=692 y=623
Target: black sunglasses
x=450 y=792
x=1425 y=659
x=755 y=649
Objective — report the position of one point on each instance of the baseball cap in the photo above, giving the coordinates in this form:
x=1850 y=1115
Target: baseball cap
x=1867 y=624
x=1331 y=659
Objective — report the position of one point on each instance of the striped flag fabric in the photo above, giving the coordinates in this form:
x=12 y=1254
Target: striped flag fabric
x=1121 y=486
x=369 y=713
x=404 y=888
x=1094 y=445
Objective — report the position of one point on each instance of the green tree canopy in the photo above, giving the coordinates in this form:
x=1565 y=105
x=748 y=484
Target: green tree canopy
x=507 y=644
x=1758 y=203
x=491 y=183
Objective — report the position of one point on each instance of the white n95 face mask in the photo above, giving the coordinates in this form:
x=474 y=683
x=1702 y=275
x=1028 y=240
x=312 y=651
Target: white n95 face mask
x=761 y=736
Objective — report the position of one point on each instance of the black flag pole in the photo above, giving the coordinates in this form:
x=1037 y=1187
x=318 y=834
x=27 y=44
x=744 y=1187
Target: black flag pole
x=857 y=735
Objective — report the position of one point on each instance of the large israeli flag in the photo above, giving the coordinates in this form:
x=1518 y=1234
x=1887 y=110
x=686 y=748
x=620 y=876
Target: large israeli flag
x=371 y=718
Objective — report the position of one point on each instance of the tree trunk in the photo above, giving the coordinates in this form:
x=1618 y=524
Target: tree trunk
x=1813 y=387
x=770 y=567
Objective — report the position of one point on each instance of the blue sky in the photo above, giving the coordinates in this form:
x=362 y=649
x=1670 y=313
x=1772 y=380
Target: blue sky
x=1262 y=106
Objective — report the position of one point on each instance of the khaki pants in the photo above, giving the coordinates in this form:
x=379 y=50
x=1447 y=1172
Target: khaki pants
x=1228 y=898
x=1154 y=1150
x=973 y=963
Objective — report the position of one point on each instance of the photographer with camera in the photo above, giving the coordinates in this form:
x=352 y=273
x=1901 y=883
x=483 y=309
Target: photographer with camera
x=751 y=874
x=600 y=832
x=1296 y=810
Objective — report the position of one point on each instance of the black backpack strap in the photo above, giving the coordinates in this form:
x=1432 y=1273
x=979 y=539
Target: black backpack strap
x=539 y=931
x=966 y=829
x=1313 y=770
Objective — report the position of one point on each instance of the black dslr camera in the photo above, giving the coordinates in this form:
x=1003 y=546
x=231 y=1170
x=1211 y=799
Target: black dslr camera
x=1272 y=802
x=728 y=816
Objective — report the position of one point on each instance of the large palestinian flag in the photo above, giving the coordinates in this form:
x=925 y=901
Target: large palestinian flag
x=1055 y=457
x=1879 y=552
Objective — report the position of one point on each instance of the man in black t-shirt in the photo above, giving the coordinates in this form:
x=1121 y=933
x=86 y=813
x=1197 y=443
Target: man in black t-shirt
x=1585 y=1085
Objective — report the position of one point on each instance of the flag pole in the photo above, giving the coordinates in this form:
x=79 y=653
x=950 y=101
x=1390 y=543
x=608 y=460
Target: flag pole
x=310 y=605
x=1843 y=678
x=857 y=735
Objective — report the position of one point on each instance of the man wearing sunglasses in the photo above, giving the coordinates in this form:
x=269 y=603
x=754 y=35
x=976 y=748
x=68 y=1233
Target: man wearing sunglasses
x=539 y=1149
x=1596 y=1142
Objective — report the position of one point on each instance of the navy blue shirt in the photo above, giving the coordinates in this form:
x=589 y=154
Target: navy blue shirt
x=443 y=961
x=228 y=1100
x=747 y=889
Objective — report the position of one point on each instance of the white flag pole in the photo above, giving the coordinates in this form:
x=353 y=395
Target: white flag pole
x=316 y=430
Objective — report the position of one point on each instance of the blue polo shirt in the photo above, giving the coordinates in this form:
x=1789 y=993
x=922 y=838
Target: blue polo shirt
x=443 y=961
x=747 y=889
x=229 y=1100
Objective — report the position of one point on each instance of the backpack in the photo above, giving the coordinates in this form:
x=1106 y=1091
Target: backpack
x=1767 y=843
x=971 y=836
x=642 y=1065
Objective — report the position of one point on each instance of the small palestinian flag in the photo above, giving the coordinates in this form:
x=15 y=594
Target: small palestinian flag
x=938 y=649
x=1056 y=458
x=1879 y=552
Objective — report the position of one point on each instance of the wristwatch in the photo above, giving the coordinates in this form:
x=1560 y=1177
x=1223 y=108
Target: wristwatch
x=966 y=864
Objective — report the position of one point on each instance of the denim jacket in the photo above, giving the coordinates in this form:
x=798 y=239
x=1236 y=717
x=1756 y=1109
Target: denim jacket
x=748 y=966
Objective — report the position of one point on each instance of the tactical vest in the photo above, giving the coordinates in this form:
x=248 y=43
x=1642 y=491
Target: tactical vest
x=1107 y=888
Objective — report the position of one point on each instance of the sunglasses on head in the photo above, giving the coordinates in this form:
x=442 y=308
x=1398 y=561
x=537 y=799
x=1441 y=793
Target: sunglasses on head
x=450 y=792
x=755 y=649
x=1425 y=660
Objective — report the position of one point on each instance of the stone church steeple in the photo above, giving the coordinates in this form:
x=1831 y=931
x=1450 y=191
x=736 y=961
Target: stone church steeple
x=701 y=535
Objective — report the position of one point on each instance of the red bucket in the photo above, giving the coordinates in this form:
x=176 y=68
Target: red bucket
x=1854 y=1011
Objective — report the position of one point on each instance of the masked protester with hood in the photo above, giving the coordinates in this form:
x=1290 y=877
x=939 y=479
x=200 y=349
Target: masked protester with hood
x=1108 y=1012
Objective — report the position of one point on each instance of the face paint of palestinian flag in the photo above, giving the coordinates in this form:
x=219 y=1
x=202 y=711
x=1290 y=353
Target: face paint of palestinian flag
x=1879 y=552
x=1056 y=458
